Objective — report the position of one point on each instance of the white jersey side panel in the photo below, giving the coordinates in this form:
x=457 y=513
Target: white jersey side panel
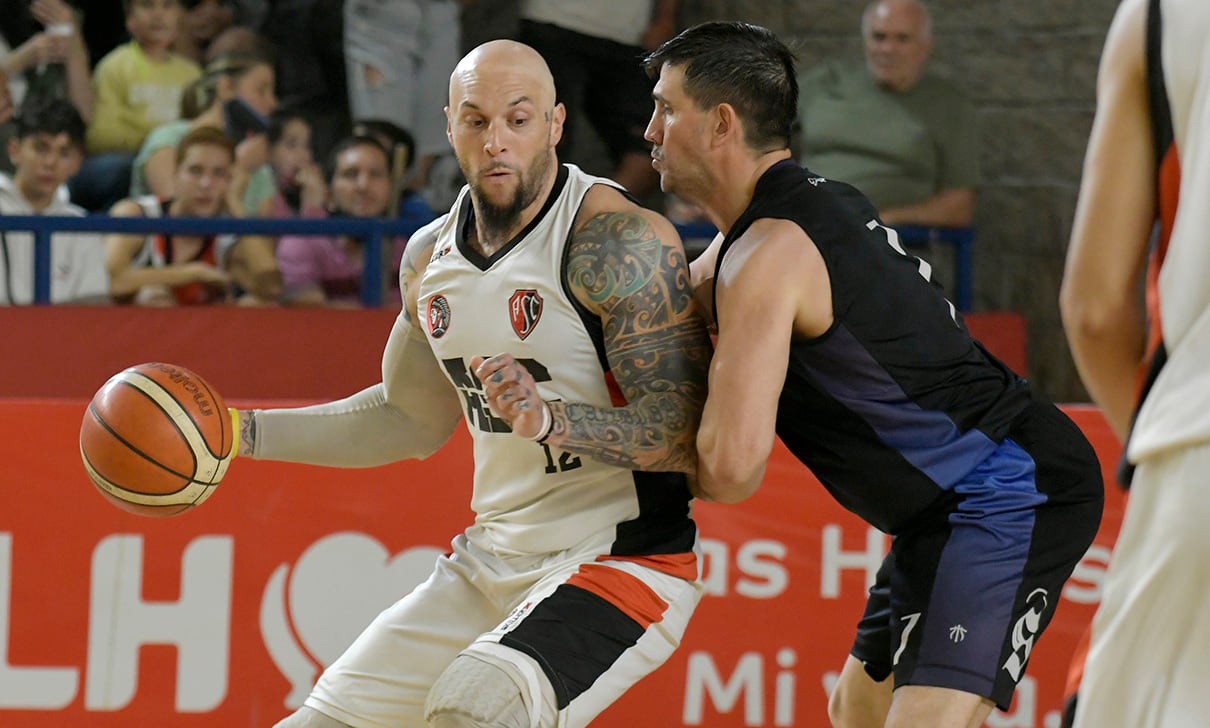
x=1176 y=411
x=528 y=498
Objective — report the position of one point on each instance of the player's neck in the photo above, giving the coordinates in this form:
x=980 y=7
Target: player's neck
x=725 y=200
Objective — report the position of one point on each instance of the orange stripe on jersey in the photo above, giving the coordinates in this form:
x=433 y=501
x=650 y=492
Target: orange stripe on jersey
x=1168 y=189
x=624 y=591
x=616 y=398
x=682 y=566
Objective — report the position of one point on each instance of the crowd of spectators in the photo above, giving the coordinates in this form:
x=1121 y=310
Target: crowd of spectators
x=322 y=108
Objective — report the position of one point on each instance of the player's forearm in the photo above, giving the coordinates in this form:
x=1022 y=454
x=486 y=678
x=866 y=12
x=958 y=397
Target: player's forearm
x=655 y=433
x=1108 y=350
x=356 y=432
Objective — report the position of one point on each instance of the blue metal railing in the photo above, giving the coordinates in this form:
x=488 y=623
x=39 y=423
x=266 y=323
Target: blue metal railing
x=372 y=233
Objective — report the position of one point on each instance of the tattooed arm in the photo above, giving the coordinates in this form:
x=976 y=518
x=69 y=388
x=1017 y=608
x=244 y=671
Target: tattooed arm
x=626 y=265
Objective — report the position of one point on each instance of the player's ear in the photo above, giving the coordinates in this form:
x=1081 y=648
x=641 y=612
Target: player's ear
x=557 y=117
x=724 y=123
x=449 y=127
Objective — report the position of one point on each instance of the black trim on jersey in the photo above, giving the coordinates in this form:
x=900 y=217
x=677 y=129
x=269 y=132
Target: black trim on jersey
x=1157 y=91
x=576 y=636
x=468 y=219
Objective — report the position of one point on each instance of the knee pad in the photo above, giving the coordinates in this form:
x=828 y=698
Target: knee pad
x=473 y=693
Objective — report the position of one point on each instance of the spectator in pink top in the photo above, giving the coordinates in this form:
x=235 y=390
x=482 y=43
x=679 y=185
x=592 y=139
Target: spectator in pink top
x=326 y=271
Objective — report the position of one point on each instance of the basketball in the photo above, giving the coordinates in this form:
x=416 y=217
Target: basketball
x=156 y=439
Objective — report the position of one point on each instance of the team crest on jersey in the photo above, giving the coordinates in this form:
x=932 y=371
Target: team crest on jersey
x=525 y=308
x=439 y=316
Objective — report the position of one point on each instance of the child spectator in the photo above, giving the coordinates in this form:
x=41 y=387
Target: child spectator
x=318 y=270
x=138 y=87
x=46 y=150
x=236 y=96
x=301 y=188
x=191 y=269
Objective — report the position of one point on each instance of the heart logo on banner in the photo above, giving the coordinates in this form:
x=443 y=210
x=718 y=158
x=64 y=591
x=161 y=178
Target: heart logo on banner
x=335 y=589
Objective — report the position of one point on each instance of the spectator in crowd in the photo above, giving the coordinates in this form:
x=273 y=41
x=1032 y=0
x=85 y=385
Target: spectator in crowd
x=328 y=270
x=398 y=57
x=43 y=53
x=47 y=149
x=904 y=137
x=138 y=87
x=191 y=269
x=406 y=203
x=203 y=21
x=301 y=188
x=235 y=95
x=594 y=51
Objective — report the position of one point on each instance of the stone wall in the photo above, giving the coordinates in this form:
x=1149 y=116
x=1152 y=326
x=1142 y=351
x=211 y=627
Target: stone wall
x=1030 y=66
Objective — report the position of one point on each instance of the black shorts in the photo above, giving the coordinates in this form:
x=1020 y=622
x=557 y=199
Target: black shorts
x=602 y=79
x=962 y=597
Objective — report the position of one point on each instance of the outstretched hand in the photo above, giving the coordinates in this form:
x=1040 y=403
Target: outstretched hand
x=513 y=395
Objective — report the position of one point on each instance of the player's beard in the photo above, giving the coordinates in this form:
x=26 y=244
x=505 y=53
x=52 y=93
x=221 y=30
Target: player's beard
x=503 y=218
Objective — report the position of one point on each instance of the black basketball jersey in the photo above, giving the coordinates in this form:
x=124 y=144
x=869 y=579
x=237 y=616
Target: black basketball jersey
x=896 y=402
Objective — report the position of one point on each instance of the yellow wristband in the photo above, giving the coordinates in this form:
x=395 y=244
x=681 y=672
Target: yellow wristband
x=235 y=439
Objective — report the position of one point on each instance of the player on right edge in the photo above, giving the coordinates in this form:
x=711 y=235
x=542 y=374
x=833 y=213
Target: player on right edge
x=1148 y=166
x=834 y=339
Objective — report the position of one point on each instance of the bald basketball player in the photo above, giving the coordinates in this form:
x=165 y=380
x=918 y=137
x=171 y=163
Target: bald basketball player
x=582 y=567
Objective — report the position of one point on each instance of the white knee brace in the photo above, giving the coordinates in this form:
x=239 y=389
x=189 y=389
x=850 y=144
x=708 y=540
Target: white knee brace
x=472 y=693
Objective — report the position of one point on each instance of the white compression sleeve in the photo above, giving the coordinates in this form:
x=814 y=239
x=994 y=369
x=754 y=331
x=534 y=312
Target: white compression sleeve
x=409 y=415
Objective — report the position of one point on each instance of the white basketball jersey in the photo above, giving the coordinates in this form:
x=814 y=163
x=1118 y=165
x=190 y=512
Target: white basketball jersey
x=1176 y=409
x=531 y=498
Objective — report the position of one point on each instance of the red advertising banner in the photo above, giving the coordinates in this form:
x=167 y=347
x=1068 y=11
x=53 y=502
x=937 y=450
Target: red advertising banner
x=224 y=616
x=254 y=353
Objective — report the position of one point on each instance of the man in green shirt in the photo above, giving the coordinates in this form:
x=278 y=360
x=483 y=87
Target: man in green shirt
x=904 y=137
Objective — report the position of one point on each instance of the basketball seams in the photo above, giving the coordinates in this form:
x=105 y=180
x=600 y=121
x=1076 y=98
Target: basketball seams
x=100 y=420
x=205 y=461
x=153 y=373
x=193 y=491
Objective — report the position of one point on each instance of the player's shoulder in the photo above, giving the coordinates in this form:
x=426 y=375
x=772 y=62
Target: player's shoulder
x=774 y=237
x=607 y=205
x=420 y=245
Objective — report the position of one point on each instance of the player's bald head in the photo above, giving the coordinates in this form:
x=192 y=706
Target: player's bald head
x=504 y=64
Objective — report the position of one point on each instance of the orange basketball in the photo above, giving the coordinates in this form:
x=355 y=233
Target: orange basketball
x=156 y=439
